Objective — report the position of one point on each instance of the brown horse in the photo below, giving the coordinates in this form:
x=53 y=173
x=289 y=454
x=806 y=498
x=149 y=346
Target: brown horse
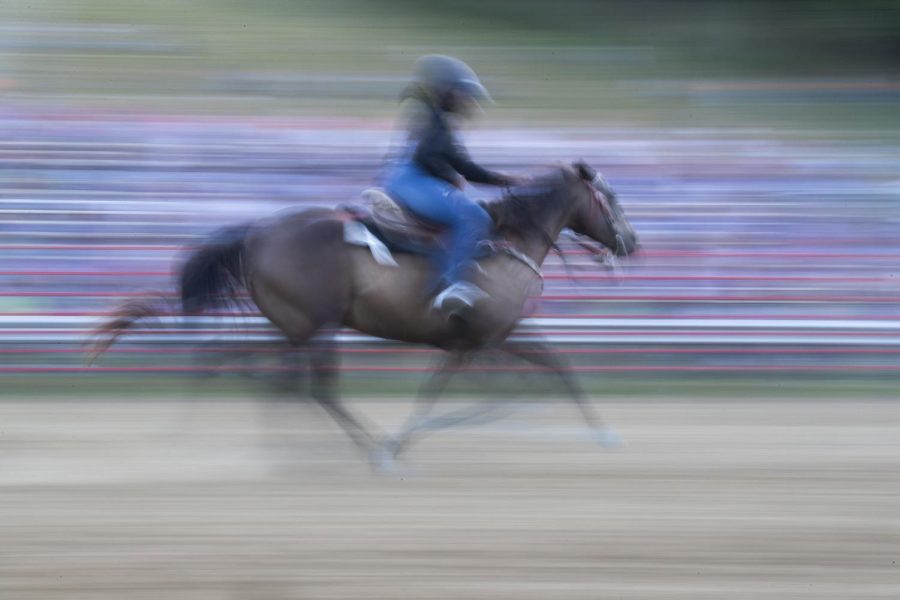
x=303 y=276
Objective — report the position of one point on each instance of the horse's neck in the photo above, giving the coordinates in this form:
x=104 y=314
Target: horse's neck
x=537 y=242
x=537 y=247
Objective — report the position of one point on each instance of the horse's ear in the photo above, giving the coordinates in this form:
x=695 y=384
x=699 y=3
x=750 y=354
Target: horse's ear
x=584 y=170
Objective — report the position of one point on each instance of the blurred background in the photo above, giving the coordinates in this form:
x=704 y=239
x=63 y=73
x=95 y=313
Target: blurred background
x=754 y=145
x=748 y=355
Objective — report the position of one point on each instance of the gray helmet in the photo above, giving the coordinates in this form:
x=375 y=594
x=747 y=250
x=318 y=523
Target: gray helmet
x=438 y=74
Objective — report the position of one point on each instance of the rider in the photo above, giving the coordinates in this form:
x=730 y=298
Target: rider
x=428 y=178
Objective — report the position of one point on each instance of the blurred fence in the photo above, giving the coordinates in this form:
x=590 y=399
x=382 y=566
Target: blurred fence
x=759 y=254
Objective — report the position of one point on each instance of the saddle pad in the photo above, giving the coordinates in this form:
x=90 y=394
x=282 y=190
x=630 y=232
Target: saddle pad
x=357 y=234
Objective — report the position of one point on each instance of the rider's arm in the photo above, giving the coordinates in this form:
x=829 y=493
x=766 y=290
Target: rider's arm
x=440 y=154
x=431 y=155
x=463 y=164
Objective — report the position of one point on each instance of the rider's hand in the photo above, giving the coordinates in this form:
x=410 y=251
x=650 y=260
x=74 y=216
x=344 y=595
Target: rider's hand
x=515 y=180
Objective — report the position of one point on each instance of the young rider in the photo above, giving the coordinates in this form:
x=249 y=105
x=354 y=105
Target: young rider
x=429 y=176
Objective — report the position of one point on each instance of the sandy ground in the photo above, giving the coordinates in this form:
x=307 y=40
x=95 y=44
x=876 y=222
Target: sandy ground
x=736 y=499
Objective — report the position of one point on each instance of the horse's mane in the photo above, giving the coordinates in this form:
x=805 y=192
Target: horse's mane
x=530 y=207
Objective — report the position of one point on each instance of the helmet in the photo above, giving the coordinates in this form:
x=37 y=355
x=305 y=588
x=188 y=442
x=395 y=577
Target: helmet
x=438 y=74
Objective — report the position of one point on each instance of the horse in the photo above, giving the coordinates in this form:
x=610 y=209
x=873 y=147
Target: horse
x=303 y=276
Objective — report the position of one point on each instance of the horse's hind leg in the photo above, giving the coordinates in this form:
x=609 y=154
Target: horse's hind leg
x=324 y=367
x=206 y=365
x=543 y=355
x=300 y=327
x=284 y=390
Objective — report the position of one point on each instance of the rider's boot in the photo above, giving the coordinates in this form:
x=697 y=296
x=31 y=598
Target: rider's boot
x=458 y=298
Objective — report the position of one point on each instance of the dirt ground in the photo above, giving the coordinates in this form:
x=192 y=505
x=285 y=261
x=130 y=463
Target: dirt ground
x=234 y=500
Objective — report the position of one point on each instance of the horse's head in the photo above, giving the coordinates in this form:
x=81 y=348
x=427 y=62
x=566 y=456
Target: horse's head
x=596 y=212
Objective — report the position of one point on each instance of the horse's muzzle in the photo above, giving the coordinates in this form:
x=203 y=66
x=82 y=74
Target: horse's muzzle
x=626 y=243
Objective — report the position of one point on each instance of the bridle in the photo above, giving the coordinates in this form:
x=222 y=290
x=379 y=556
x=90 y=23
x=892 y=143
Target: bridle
x=603 y=198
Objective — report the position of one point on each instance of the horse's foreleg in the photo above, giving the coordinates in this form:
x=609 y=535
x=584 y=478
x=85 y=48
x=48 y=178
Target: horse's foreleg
x=543 y=355
x=425 y=400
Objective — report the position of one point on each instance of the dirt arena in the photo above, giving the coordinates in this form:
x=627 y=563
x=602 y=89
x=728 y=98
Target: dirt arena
x=233 y=500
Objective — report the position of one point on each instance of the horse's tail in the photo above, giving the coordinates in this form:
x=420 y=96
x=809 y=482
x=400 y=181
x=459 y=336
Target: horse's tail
x=214 y=274
x=211 y=276
x=122 y=318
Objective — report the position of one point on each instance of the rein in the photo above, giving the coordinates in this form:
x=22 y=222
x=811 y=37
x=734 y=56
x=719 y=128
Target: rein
x=600 y=193
x=602 y=256
x=517 y=254
x=510 y=250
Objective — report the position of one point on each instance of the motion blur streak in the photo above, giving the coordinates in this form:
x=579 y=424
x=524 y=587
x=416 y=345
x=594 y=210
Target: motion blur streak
x=748 y=354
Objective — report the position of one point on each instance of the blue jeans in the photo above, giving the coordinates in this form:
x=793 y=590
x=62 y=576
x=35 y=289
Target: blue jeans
x=436 y=200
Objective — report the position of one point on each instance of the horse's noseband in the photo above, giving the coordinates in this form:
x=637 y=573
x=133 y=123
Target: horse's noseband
x=600 y=194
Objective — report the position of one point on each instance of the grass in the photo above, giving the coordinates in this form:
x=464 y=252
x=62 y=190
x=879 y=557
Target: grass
x=712 y=387
x=609 y=63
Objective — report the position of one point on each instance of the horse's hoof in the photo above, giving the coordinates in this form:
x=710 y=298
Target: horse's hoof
x=608 y=438
x=382 y=459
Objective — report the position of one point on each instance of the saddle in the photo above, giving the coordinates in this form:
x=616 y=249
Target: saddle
x=384 y=226
x=400 y=229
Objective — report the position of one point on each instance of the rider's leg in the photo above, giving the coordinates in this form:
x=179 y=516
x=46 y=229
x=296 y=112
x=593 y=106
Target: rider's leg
x=472 y=225
x=440 y=202
x=424 y=195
